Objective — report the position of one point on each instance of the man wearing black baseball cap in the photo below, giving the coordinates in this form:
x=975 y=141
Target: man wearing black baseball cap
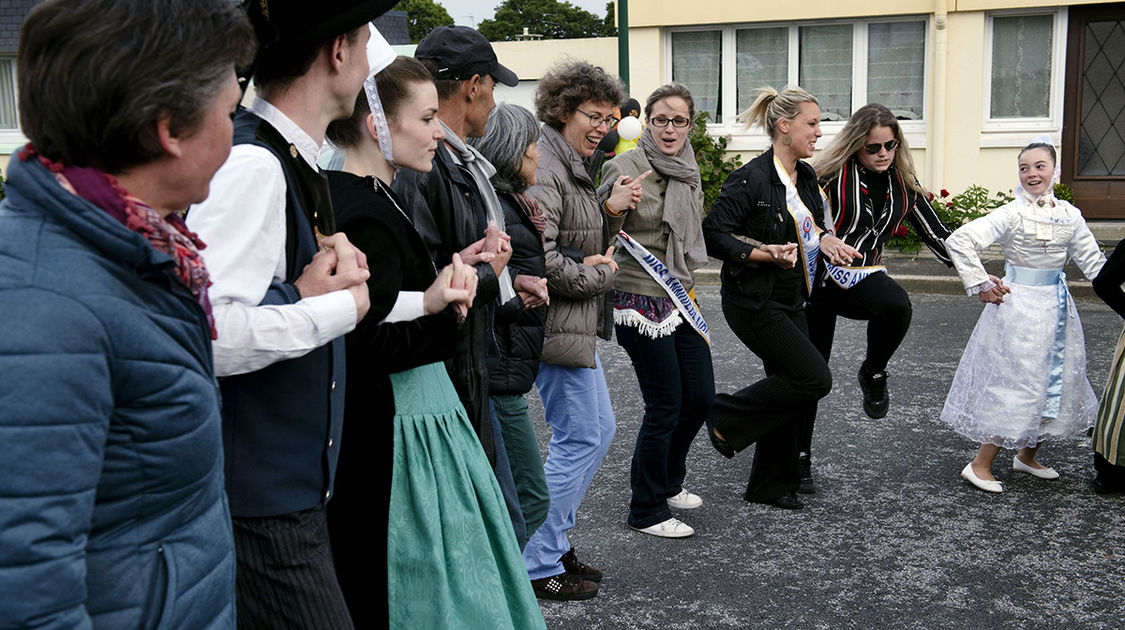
x=281 y=308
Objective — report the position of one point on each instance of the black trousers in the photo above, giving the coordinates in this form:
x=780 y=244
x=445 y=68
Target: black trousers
x=877 y=299
x=1110 y=475
x=285 y=576
x=767 y=412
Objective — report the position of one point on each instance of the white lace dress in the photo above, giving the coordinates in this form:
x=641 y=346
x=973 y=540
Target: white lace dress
x=1022 y=377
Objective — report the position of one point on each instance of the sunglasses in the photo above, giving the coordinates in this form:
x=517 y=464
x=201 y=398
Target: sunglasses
x=889 y=145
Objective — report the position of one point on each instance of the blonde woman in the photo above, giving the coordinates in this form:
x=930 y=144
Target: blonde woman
x=767 y=229
x=869 y=178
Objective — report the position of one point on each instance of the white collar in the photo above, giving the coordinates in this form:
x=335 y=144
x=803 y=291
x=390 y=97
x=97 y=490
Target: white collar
x=306 y=146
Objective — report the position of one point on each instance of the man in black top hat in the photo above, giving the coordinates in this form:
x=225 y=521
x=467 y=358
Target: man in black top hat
x=285 y=291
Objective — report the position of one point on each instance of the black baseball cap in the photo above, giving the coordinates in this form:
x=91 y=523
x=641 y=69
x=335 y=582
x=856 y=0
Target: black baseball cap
x=460 y=52
x=298 y=22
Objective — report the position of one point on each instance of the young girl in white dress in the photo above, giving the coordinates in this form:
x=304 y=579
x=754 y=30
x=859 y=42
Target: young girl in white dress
x=1022 y=377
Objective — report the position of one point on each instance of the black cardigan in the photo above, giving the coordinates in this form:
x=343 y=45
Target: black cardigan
x=752 y=204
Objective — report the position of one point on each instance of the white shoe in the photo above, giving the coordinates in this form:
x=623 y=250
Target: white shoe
x=670 y=528
x=685 y=501
x=987 y=486
x=1042 y=473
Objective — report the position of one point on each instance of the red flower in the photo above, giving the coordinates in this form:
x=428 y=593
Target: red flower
x=949 y=204
x=901 y=230
x=929 y=196
x=944 y=193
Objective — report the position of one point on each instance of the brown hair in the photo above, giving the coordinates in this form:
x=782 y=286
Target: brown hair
x=566 y=86
x=393 y=84
x=95 y=76
x=282 y=65
x=669 y=90
x=853 y=136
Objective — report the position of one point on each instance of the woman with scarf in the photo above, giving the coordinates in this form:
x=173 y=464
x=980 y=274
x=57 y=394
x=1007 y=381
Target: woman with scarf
x=1022 y=378
x=669 y=349
x=451 y=557
x=511 y=144
x=869 y=177
x=767 y=229
x=112 y=508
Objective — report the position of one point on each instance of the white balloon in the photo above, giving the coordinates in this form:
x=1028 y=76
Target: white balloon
x=629 y=128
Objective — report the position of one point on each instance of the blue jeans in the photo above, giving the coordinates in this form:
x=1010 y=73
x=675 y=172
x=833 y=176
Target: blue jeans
x=678 y=385
x=576 y=401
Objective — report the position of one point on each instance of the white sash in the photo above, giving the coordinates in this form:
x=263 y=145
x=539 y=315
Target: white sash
x=808 y=239
x=668 y=282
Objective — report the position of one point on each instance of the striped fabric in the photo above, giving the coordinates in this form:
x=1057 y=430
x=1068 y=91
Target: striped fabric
x=285 y=576
x=1111 y=414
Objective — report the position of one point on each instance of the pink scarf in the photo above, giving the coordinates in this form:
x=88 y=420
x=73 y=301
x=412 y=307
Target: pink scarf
x=169 y=235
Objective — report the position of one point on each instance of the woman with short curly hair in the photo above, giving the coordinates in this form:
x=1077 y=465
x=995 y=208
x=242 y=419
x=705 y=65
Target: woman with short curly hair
x=576 y=104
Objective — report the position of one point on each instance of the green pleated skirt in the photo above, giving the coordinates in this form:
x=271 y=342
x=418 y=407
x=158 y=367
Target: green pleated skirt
x=452 y=557
x=1110 y=423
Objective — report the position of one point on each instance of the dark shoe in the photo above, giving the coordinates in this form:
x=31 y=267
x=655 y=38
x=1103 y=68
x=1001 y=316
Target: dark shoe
x=564 y=587
x=1103 y=488
x=721 y=445
x=573 y=566
x=785 y=502
x=874 y=386
x=805 y=465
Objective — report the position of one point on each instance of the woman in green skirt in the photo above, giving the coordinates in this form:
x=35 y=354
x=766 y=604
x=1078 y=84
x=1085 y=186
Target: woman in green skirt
x=451 y=556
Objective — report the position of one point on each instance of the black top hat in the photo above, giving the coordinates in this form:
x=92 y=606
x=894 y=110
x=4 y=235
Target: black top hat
x=297 y=22
x=460 y=52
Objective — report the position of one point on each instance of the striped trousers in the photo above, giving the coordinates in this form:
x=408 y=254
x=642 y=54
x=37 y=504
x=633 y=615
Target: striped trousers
x=285 y=577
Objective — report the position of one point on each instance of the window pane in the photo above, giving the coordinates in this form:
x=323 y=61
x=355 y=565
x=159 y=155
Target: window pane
x=896 y=67
x=763 y=59
x=7 y=94
x=697 y=63
x=826 y=68
x=1021 y=66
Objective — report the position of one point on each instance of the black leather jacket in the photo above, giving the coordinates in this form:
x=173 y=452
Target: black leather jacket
x=752 y=204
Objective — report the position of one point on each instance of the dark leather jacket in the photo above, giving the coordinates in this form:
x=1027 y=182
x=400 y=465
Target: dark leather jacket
x=752 y=204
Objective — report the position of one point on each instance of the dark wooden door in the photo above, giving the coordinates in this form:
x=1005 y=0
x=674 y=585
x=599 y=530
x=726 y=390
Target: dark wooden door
x=1093 y=162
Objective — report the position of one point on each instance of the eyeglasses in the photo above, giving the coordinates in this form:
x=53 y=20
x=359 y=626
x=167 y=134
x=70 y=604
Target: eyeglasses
x=889 y=145
x=662 y=121
x=596 y=120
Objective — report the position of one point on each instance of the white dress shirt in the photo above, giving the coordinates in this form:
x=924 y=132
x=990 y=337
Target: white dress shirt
x=243 y=223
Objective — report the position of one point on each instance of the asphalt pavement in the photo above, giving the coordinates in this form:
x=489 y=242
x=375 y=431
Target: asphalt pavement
x=893 y=538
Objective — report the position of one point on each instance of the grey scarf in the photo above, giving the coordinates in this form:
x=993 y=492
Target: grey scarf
x=482 y=171
x=683 y=209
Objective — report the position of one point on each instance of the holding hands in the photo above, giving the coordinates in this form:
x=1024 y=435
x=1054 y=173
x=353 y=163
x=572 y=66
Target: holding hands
x=782 y=255
x=601 y=259
x=338 y=265
x=626 y=193
x=532 y=290
x=837 y=251
x=495 y=249
x=456 y=284
x=995 y=295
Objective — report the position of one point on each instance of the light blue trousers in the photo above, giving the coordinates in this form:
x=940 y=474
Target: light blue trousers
x=577 y=406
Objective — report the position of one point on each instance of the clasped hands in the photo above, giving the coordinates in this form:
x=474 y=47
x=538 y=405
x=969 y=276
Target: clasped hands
x=995 y=295
x=835 y=250
x=626 y=193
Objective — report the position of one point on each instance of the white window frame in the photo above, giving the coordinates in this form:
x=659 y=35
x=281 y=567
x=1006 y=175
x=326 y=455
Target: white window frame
x=11 y=139
x=756 y=139
x=1015 y=132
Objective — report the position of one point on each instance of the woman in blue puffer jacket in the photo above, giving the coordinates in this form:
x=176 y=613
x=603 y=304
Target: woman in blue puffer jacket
x=112 y=511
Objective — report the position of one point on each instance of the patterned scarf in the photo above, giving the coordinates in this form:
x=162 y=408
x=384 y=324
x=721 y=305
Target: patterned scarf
x=531 y=208
x=169 y=235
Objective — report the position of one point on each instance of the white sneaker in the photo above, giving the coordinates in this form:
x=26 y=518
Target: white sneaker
x=670 y=528
x=685 y=501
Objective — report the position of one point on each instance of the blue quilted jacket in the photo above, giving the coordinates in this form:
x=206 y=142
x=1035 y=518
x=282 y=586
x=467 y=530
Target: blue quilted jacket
x=112 y=511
